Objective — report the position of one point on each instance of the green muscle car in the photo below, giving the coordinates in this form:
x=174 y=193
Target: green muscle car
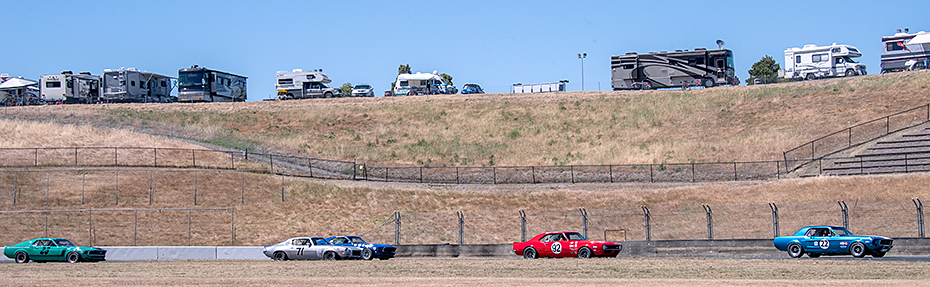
x=52 y=249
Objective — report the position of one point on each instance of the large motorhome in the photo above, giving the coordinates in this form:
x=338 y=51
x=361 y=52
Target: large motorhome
x=70 y=88
x=815 y=62
x=199 y=84
x=300 y=84
x=904 y=51
x=132 y=85
x=700 y=67
x=422 y=84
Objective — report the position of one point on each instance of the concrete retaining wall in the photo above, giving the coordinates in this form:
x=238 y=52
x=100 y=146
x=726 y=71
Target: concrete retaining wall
x=730 y=248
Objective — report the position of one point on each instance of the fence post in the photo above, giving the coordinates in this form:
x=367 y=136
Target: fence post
x=845 y=213
x=522 y=225
x=421 y=174
x=271 y=160
x=610 y=174
x=117 y=187
x=735 y=173
x=83 y=177
x=46 y=224
x=774 y=218
x=354 y=168
x=533 y=173
x=188 y=227
x=90 y=227
x=456 y=175
x=584 y=222
x=710 y=221
x=242 y=187
x=494 y=176
x=15 y=177
x=116 y=156
x=647 y=226
x=75 y=157
x=232 y=226
x=282 y=187
x=46 y=188
x=461 y=216
x=155 y=156
x=195 y=187
x=37 y=156
x=396 y=228
x=193 y=158
x=232 y=161
x=572 y=170
x=135 y=220
x=310 y=167
x=651 y=178
x=151 y=187
x=920 y=216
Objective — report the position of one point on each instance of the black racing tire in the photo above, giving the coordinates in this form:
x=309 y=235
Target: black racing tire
x=279 y=256
x=73 y=257
x=878 y=254
x=709 y=83
x=813 y=255
x=585 y=252
x=329 y=255
x=530 y=253
x=857 y=249
x=795 y=250
x=367 y=254
x=810 y=77
x=850 y=73
x=21 y=257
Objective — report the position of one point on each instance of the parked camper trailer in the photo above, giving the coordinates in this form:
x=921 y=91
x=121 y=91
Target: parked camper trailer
x=199 y=84
x=132 y=85
x=815 y=62
x=70 y=88
x=700 y=67
x=422 y=84
x=300 y=84
x=905 y=51
x=519 y=88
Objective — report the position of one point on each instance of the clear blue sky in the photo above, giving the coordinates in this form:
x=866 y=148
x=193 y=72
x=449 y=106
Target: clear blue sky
x=493 y=43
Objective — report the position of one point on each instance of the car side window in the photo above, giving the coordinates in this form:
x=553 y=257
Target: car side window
x=551 y=237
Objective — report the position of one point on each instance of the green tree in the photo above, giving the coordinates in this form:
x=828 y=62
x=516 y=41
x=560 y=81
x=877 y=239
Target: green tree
x=447 y=77
x=346 y=89
x=765 y=70
x=403 y=69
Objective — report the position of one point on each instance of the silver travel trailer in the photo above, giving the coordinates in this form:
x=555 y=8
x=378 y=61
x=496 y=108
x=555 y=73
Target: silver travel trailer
x=199 y=84
x=700 y=67
x=70 y=88
x=905 y=51
x=816 y=62
x=519 y=88
x=132 y=85
x=300 y=84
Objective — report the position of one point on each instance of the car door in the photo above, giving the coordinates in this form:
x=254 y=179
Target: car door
x=298 y=248
x=39 y=250
x=54 y=251
x=545 y=245
x=835 y=242
x=817 y=240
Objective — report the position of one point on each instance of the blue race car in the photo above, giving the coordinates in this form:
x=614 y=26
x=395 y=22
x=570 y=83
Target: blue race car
x=832 y=240
x=472 y=89
x=369 y=250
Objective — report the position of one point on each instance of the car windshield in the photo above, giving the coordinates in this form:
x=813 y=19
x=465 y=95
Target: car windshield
x=362 y=87
x=357 y=240
x=849 y=60
x=574 y=236
x=63 y=242
x=191 y=78
x=842 y=231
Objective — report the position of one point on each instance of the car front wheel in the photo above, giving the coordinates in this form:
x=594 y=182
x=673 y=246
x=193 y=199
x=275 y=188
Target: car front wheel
x=857 y=249
x=73 y=257
x=530 y=253
x=584 y=252
x=367 y=254
x=795 y=250
x=21 y=257
x=329 y=256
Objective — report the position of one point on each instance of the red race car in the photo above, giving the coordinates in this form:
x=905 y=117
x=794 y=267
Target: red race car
x=564 y=244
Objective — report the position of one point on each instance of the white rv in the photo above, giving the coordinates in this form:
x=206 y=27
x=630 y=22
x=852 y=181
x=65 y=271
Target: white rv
x=300 y=84
x=422 y=84
x=132 y=85
x=70 y=88
x=905 y=51
x=815 y=62
x=519 y=88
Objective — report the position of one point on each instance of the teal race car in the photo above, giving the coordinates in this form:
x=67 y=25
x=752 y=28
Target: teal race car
x=53 y=249
x=832 y=240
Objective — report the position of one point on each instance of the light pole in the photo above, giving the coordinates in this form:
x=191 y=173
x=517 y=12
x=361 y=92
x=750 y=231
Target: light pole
x=582 y=56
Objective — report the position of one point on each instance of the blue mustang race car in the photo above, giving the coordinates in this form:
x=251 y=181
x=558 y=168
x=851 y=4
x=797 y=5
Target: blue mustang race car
x=369 y=250
x=832 y=240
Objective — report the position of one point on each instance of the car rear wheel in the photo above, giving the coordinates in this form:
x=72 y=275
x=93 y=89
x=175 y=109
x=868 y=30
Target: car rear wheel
x=850 y=73
x=329 y=256
x=810 y=77
x=584 y=252
x=367 y=254
x=795 y=250
x=709 y=83
x=279 y=256
x=878 y=254
x=857 y=249
x=21 y=257
x=73 y=257
x=530 y=253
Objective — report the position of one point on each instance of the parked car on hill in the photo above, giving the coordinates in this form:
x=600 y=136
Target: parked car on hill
x=832 y=240
x=52 y=249
x=472 y=89
x=363 y=91
x=564 y=244
x=369 y=250
x=310 y=248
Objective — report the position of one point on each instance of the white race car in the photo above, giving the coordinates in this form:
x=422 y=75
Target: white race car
x=310 y=248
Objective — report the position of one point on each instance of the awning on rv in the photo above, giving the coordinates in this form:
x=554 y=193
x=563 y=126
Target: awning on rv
x=919 y=39
x=17 y=83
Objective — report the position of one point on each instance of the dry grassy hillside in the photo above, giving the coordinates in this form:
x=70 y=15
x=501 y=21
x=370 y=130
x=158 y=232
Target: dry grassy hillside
x=30 y=134
x=719 y=124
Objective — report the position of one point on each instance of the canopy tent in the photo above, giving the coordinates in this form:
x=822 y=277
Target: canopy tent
x=17 y=83
x=19 y=91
